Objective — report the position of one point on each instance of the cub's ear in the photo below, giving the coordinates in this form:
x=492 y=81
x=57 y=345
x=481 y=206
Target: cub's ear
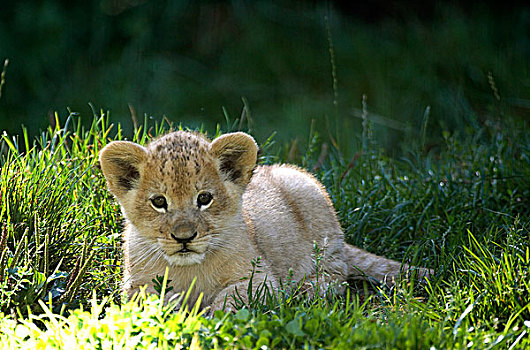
x=237 y=153
x=122 y=162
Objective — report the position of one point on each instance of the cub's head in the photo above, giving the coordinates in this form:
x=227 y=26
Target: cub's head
x=182 y=193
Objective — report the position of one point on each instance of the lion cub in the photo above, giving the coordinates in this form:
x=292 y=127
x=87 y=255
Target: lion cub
x=206 y=211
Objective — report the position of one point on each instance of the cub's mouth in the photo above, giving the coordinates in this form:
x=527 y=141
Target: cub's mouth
x=185 y=243
x=184 y=256
x=185 y=250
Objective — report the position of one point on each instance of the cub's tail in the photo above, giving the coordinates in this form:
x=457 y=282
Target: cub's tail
x=362 y=264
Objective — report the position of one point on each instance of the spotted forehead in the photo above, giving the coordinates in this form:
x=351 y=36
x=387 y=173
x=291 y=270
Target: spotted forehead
x=180 y=144
x=179 y=156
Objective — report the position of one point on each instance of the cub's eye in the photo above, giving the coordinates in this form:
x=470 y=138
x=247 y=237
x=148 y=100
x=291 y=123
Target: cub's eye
x=159 y=202
x=204 y=199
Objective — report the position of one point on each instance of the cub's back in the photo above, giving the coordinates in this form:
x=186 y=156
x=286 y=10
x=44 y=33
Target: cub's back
x=287 y=210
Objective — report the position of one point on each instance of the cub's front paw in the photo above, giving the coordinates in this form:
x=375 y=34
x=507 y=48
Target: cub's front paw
x=220 y=303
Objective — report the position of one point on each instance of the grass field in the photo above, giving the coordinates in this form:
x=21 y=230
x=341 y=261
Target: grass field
x=418 y=127
x=461 y=208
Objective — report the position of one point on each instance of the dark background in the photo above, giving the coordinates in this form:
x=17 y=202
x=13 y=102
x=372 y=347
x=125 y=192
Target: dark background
x=467 y=60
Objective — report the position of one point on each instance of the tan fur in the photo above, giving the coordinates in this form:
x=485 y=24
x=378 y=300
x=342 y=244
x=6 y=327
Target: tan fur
x=274 y=212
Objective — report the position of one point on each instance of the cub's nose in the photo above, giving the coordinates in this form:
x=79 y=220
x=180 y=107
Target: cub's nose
x=185 y=239
x=184 y=232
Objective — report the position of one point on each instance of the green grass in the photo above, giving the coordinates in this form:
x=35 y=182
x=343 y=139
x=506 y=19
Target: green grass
x=462 y=209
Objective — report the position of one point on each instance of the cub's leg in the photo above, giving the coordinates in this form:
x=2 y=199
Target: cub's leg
x=327 y=275
x=225 y=296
